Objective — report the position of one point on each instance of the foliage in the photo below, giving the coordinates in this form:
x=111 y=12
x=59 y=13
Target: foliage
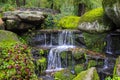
x=69 y=22
x=91 y=4
x=41 y=64
x=8 y=7
x=93 y=15
x=37 y=3
x=16 y=62
x=49 y=22
x=114 y=78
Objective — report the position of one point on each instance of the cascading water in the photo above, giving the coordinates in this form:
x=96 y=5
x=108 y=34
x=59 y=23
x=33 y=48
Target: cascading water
x=54 y=59
x=65 y=41
x=59 y=43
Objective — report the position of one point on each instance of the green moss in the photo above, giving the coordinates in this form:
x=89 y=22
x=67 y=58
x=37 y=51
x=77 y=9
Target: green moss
x=8 y=38
x=78 y=55
x=93 y=15
x=92 y=63
x=95 y=42
x=69 y=22
x=79 y=68
x=63 y=75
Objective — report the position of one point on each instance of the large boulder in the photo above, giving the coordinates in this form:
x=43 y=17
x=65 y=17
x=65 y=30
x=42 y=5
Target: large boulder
x=112 y=9
x=95 y=21
x=8 y=37
x=90 y=74
x=23 y=20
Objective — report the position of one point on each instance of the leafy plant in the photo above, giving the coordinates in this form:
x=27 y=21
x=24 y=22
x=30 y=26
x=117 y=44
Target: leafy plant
x=16 y=62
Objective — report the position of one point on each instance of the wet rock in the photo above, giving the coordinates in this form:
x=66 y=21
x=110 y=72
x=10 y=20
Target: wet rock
x=90 y=74
x=95 y=21
x=49 y=38
x=79 y=52
x=112 y=9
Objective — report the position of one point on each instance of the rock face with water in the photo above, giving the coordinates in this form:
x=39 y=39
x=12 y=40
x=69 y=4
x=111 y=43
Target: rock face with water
x=95 y=21
x=112 y=9
x=51 y=38
x=112 y=46
x=23 y=20
x=90 y=74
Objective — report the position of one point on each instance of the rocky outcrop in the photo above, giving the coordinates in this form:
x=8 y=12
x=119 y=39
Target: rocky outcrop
x=95 y=21
x=90 y=74
x=23 y=20
x=112 y=9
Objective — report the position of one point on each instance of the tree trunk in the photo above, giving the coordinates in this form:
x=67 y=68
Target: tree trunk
x=24 y=2
x=81 y=9
x=17 y=3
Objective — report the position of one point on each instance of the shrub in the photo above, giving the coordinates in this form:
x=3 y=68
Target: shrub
x=69 y=22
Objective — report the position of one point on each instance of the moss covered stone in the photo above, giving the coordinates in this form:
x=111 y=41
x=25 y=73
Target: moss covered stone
x=90 y=74
x=95 y=42
x=63 y=75
x=92 y=15
x=95 y=21
x=111 y=8
x=8 y=38
x=69 y=22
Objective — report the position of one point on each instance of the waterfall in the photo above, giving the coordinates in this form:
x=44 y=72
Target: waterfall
x=59 y=42
x=66 y=38
x=109 y=44
x=65 y=41
x=54 y=59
